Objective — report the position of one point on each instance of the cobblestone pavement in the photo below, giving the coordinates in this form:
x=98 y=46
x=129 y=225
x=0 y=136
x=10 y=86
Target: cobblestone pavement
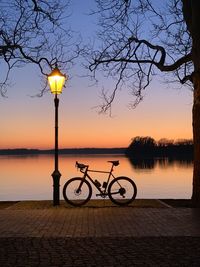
x=107 y=236
x=96 y=252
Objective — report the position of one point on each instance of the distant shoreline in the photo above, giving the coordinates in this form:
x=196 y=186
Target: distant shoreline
x=26 y=151
x=142 y=153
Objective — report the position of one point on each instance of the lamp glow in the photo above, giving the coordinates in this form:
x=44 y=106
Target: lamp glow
x=56 y=81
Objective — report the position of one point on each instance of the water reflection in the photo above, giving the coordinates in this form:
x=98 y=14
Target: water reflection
x=29 y=177
x=151 y=163
x=142 y=163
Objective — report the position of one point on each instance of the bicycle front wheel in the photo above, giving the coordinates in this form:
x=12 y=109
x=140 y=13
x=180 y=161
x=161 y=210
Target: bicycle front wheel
x=77 y=191
x=122 y=190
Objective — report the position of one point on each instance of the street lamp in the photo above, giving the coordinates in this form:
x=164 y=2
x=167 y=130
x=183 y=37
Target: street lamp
x=56 y=82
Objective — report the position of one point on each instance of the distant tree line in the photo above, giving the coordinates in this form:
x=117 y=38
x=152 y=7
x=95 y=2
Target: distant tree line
x=144 y=147
x=25 y=151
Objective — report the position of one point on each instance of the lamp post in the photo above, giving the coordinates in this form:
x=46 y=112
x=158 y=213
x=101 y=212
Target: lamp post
x=56 y=82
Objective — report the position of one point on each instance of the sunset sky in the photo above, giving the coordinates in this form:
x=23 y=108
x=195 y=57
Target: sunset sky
x=29 y=121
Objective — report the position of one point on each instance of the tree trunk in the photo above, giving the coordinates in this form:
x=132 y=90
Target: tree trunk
x=196 y=138
x=191 y=14
x=194 y=18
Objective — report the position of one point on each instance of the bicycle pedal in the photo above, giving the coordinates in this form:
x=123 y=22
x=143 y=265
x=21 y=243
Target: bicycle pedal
x=98 y=195
x=101 y=195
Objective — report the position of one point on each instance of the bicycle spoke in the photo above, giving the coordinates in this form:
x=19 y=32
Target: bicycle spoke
x=77 y=192
x=122 y=191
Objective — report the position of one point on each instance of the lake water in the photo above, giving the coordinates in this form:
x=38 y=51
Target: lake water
x=29 y=177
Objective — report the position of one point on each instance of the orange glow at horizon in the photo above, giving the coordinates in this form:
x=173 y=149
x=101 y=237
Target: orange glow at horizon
x=119 y=134
x=29 y=122
x=93 y=138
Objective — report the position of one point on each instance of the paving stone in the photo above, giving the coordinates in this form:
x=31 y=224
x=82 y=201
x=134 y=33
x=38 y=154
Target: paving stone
x=105 y=222
x=136 y=251
x=107 y=236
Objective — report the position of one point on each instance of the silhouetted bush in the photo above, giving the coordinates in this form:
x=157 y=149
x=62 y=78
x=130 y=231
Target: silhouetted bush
x=145 y=147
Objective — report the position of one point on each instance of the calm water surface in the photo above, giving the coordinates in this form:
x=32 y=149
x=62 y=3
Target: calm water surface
x=29 y=177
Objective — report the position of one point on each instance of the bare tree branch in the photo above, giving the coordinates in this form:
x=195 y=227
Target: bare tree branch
x=129 y=57
x=30 y=32
x=159 y=64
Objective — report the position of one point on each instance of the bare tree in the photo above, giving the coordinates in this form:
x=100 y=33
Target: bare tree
x=141 y=38
x=31 y=32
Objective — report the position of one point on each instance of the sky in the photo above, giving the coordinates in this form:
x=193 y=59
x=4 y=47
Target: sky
x=28 y=122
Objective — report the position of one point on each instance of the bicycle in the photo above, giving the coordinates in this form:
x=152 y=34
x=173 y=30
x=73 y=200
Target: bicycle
x=121 y=190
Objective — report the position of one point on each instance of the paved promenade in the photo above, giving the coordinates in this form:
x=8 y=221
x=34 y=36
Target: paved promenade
x=149 y=233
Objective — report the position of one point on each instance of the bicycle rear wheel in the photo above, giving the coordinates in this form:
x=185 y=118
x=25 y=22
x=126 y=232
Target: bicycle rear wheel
x=77 y=192
x=122 y=190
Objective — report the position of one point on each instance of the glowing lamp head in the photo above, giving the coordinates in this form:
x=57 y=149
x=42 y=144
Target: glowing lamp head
x=56 y=81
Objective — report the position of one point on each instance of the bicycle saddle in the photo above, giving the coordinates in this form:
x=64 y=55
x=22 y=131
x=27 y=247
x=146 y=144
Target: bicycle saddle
x=80 y=165
x=114 y=162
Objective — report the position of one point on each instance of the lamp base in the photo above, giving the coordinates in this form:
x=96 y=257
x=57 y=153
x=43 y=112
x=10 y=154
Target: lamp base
x=56 y=187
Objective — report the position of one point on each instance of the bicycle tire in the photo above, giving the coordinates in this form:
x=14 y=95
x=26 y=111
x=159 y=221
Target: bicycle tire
x=120 y=186
x=71 y=195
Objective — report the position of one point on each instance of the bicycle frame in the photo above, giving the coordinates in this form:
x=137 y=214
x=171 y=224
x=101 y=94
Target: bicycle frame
x=77 y=191
x=103 y=192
